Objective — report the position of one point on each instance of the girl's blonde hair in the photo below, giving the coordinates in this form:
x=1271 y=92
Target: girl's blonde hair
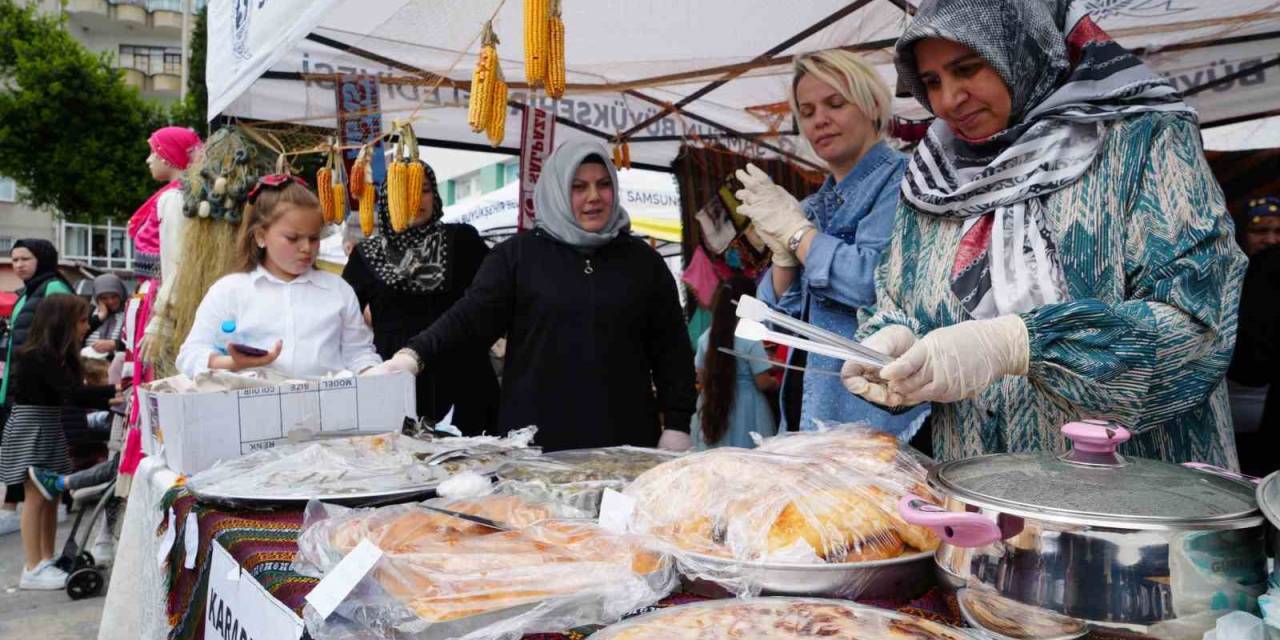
x=852 y=78
x=263 y=212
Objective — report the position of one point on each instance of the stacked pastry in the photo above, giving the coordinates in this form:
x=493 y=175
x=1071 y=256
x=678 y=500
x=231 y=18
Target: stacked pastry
x=825 y=497
x=446 y=577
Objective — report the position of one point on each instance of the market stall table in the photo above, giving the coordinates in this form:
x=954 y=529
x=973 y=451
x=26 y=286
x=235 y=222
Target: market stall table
x=263 y=543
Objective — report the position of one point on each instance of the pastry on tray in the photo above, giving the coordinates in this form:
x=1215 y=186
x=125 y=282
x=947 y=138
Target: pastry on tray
x=778 y=619
x=828 y=497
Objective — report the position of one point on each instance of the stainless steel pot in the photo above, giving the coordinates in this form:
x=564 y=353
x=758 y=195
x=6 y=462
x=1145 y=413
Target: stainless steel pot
x=1269 y=503
x=1047 y=546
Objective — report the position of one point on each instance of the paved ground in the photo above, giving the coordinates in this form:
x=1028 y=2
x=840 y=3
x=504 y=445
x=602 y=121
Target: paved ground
x=41 y=615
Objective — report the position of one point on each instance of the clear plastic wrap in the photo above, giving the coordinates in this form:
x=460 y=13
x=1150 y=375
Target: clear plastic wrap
x=441 y=577
x=578 y=477
x=354 y=466
x=825 y=499
x=779 y=619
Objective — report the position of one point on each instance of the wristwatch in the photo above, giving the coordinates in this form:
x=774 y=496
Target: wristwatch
x=793 y=243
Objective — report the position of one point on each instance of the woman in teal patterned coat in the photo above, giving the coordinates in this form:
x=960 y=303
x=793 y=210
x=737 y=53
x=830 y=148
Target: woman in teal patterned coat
x=1061 y=251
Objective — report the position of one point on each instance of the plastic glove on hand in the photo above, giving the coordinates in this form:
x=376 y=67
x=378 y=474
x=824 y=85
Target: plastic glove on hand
x=959 y=361
x=673 y=440
x=399 y=363
x=775 y=212
x=893 y=341
x=781 y=255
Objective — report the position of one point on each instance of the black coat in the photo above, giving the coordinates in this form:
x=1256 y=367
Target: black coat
x=466 y=380
x=1256 y=361
x=590 y=337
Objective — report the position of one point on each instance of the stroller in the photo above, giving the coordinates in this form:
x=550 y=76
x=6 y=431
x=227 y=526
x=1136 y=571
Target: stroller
x=86 y=574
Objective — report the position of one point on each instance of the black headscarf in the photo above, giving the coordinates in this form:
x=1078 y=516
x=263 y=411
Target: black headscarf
x=46 y=263
x=415 y=260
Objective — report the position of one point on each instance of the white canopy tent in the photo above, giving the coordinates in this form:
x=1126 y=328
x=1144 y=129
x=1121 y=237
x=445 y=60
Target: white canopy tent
x=658 y=72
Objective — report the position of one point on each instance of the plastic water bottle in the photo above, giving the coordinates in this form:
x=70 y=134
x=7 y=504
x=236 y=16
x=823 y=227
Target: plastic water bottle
x=226 y=335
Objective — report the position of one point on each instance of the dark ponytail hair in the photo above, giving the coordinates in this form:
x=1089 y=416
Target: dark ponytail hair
x=720 y=380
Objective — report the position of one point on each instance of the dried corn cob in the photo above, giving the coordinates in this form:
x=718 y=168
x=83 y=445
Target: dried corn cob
x=617 y=156
x=367 y=199
x=626 y=155
x=356 y=177
x=555 y=52
x=413 y=189
x=482 y=81
x=324 y=189
x=498 y=112
x=339 y=203
x=535 y=41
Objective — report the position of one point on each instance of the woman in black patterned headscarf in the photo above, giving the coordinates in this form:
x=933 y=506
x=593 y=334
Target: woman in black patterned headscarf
x=408 y=279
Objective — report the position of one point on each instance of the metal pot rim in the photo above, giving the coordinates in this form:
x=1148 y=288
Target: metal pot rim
x=1136 y=523
x=1270 y=510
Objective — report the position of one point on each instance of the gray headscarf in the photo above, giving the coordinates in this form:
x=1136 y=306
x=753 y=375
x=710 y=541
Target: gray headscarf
x=553 y=204
x=113 y=324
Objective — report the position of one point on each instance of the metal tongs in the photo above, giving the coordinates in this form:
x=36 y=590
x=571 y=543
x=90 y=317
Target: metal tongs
x=752 y=313
x=480 y=520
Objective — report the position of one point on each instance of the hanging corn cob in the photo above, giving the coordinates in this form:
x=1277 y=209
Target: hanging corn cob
x=535 y=41
x=621 y=155
x=626 y=155
x=368 y=193
x=482 y=80
x=416 y=175
x=555 y=52
x=324 y=189
x=498 y=114
x=339 y=193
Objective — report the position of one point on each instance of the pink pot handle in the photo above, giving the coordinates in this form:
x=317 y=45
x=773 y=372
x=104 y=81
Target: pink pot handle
x=1219 y=471
x=959 y=529
x=1095 y=437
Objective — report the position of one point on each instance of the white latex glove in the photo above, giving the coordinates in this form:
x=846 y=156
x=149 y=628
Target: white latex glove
x=959 y=361
x=893 y=341
x=782 y=256
x=775 y=212
x=399 y=363
x=673 y=440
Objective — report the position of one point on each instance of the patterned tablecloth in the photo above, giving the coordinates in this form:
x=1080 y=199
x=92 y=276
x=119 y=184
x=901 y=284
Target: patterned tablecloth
x=265 y=542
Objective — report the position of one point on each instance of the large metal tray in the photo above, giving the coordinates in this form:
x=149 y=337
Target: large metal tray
x=900 y=578
x=360 y=499
x=656 y=624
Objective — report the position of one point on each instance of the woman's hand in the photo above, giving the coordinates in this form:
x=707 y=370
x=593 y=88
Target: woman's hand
x=404 y=361
x=959 y=361
x=104 y=346
x=675 y=440
x=243 y=360
x=777 y=214
x=102 y=311
x=893 y=341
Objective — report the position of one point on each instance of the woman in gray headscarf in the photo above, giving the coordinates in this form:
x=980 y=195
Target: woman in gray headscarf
x=591 y=315
x=106 y=324
x=1062 y=250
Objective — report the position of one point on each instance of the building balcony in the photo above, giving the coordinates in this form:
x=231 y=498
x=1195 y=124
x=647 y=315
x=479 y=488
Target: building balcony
x=161 y=16
x=131 y=13
x=163 y=19
x=166 y=83
x=135 y=79
x=89 y=7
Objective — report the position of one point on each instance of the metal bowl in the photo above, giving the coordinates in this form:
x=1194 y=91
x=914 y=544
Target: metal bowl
x=904 y=577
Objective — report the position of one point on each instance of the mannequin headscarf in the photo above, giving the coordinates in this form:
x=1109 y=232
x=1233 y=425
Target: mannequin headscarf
x=176 y=146
x=1066 y=79
x=415 y=260
x=553 y=203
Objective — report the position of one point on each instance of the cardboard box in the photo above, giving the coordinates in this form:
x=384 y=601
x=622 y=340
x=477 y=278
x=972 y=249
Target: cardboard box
x=192 y=431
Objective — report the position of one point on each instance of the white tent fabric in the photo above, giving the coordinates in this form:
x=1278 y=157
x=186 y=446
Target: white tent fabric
x=627 y=58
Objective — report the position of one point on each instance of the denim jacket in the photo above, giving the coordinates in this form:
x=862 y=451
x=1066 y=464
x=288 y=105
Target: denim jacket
x=854 y=220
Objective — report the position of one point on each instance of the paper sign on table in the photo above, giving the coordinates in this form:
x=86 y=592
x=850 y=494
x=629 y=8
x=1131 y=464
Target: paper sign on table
x=240 y=607
x=343 y=577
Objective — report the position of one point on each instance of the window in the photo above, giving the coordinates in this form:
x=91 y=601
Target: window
x=511 y=172
x=151 y=60
x=8 y=190
x=6 y=244
x=104 y=246
x=465 y=186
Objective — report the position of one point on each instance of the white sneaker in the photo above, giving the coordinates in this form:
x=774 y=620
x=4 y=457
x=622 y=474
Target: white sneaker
x=10 y=522
x=103 y=552
x=45 y=577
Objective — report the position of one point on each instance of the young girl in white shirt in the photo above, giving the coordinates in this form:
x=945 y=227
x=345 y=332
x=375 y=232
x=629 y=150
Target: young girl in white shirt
x=300 y=321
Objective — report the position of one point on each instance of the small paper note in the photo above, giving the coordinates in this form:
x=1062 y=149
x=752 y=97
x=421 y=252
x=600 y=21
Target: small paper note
x=344 y=577
x=615 y=511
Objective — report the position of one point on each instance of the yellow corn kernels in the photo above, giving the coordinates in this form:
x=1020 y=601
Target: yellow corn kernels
x=324 y=189
x=535 y=41
x=498 y=112
x=368 y=198
x=555 y=53
x=482 y=82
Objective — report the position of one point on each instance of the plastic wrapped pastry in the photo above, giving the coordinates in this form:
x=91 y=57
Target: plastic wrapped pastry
x=578 y=477
x=799 y=499
x=443 y=577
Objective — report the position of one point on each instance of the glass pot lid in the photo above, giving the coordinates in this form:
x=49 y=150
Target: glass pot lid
x=1092 y=484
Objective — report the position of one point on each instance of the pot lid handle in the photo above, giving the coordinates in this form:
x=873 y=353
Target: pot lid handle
x=1095 y=441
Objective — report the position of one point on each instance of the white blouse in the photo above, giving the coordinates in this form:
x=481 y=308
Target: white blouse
x=316 y=315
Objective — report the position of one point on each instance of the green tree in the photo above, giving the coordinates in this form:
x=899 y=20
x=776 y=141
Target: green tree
x=193 y=110
x=73 y=135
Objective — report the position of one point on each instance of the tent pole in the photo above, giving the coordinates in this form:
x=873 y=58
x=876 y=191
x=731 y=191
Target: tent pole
x=779 y=48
